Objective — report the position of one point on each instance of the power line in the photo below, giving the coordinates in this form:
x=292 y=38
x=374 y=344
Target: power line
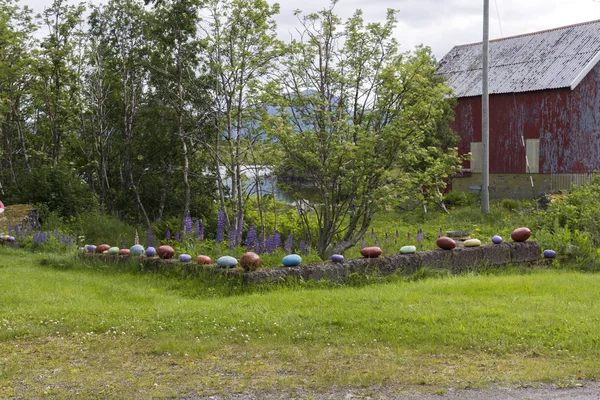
x=498 y=15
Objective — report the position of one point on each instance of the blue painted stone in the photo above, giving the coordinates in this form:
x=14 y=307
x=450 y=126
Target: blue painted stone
x=90 y=248
x=408 y=249
x=227 y=262
x=137 y=250
x=291 y=260
x=151 y=251
x=113 y=250
x=549 y=253
x=496 y=239
x=185 y=257
x=336 y=258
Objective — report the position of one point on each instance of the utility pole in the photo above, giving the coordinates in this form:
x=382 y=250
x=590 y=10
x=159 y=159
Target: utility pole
x=485 y=112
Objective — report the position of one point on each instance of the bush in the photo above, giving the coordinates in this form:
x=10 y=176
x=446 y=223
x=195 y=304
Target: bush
x=460 y=199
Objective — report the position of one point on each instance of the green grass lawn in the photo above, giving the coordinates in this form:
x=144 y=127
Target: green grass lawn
x=101 y=333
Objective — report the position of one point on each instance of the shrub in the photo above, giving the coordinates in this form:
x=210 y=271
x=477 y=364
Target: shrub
x=460 y=199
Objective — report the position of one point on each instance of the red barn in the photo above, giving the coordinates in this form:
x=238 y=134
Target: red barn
x=544 y=109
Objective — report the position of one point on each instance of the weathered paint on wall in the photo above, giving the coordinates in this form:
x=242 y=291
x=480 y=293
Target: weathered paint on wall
x=567 y=122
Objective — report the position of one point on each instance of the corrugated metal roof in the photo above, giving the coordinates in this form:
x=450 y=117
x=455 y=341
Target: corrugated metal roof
x=556 y=58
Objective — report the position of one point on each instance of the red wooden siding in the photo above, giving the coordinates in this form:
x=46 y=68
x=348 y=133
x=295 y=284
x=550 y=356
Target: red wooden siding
x=567 y=122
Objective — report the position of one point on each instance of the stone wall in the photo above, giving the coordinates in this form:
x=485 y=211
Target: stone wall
x=457 y=260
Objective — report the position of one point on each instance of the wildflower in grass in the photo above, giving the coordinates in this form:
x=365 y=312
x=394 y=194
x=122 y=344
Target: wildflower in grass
x=231 y=240
x=250 y=238
x=196 y=228
x=289 y=242
x=302 y=247
x=363 y=244
x=149 y=238
x=420 y=237
x=220 y=226
x=168 y=235
x=386 y=240
x=188 y=225
x=260 y=243
x=177 y=235
x=377 y=242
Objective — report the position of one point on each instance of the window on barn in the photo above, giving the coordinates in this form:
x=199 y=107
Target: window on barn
x=476 y=152
x=533 y=155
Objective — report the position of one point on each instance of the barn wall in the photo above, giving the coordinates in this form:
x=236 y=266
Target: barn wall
x=566 y=122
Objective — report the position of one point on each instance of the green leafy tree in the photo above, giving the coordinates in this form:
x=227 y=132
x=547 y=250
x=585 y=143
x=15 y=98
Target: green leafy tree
x=354 y=115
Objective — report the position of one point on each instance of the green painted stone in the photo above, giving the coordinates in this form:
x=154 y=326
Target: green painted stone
x=113 y=250
x=408 y=249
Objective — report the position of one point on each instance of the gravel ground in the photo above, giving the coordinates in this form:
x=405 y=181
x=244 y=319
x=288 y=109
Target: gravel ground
x=587 y=391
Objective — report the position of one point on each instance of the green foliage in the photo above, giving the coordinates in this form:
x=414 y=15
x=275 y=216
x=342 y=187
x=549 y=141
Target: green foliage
x=342 y=125
x=579 y=211
x=460 y=199
x=98 y=227
x=58 y=188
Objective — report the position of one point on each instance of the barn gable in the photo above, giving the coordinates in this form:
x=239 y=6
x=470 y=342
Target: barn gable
x=551 y=59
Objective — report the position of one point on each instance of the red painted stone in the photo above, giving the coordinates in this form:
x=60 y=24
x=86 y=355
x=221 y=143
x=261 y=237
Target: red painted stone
x=165 y=252
x=370 y=252
x=124 y=252
x=250 y=261
x=203 y=260
x=102 y=248
x=446 y=243
x=520 y=234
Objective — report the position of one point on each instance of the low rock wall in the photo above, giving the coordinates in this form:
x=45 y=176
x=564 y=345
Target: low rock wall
x=458 y=260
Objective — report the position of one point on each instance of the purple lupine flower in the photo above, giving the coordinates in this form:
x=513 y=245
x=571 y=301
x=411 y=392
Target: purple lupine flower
x=124 y=244
x=276 y=238
x=260 y=243
x=149 y=238
x=289 y=242
x=201 y=232
x=231 y=238
x=239 y=231
x=188 y=225
x=420 y=237
x=377 y=243
x=220 y=225
x=387 y=238
x=17 y=230
x=302 y=248
x=363 y=244
x=177 y=235
x=196 y=228
x=250 y=237
x=168 y=235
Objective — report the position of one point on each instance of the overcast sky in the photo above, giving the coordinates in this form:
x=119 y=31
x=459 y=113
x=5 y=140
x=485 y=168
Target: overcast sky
x=441 y=24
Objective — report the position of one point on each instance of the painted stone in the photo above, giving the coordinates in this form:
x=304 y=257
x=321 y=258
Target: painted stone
x=82 y=249
x=337 y=258
x=124 y=252
x=408 y=249
x=291 y=260
x=102 y=248
x=370 y=252
x=227 y=262
x=496 y=239
x=150 y=252
x=113 y=250
x=4 y=237
x=90 y=248
x=446 y=243
x=549 y=253
x=472 y=243
x=520 y=234
x=250 y=261
x=165 y=252
x=203 y=260
x=1 y=207
x=137 y=250
x=10 y=239
x=185 y=257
